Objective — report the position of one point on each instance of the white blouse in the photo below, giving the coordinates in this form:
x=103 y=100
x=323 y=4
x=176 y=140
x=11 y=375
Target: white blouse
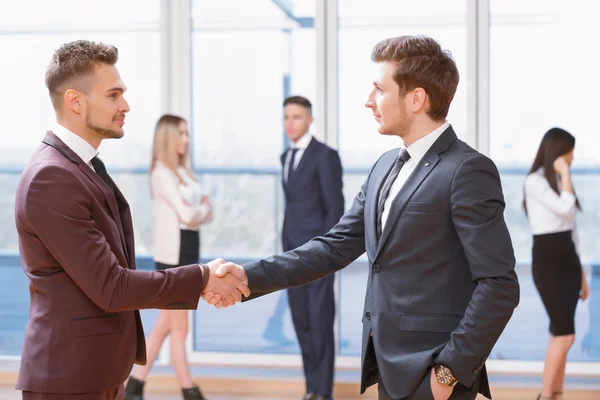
x=547 y=211
x=176 y=207
x=191 y=193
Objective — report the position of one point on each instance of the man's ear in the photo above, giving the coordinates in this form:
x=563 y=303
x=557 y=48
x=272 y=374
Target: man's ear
x=419 y=100
x=74 y=101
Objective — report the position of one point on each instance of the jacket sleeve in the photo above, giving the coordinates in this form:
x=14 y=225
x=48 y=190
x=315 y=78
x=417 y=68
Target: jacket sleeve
x=320 y=257
x=477 y=210
x=59 y=210
x=330 y=181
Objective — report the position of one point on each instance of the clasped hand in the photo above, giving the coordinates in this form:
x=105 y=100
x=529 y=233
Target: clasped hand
x=226 y=284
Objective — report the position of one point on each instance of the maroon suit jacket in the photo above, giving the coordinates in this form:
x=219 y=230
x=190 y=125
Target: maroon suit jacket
x=76 y=246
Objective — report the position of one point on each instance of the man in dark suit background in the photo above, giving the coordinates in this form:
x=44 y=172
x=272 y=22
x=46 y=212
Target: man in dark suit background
x=441 y=285
x=314 y=203
x=77 y=247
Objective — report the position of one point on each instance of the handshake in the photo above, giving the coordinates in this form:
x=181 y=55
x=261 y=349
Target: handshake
x=227 y=282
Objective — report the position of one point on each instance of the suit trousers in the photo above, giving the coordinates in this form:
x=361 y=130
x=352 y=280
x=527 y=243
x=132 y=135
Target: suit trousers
x=117 y=393
x=313 y=312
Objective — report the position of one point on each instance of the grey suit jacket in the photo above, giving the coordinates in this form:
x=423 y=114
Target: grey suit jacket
x=441 y=284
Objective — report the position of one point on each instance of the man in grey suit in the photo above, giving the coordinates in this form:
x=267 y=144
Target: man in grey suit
x=442 y=284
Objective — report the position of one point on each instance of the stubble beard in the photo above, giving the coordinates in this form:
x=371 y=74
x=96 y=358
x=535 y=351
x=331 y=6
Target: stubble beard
x=400 y=127
x=105 y=133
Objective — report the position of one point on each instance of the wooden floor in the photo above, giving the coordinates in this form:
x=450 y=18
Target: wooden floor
x=8 y=393
x=165 y=387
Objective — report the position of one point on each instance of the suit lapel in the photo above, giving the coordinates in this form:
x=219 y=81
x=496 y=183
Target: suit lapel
x=309 y=152
x=304 y=161
x=416 y=178
x=53 y=141
x=380 y=174
x=108 y=195
x=125 y=226
x=111 y=199
x=283 y=156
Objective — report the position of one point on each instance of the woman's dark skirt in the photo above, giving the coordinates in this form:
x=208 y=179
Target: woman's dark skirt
x=189 y=250
x=557 y=277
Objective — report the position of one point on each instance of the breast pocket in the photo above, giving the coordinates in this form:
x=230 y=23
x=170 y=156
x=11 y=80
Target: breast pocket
x=423 y=207
x=96 y=325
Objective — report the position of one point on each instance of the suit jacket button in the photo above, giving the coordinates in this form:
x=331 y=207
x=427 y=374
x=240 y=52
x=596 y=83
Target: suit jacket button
x=475 y=372
x=368 y=315
x=376 y=267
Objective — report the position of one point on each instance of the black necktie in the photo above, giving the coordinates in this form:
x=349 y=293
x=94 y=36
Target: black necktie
x=385 y=191
x=100 y=169
x=291 y=165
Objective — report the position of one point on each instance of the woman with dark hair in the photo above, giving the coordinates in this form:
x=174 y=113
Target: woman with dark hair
x=551 y=205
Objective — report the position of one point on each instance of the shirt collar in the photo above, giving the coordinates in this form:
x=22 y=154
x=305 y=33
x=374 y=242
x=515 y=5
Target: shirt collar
x=302 y=143
x=418 y=149
x=83 y=149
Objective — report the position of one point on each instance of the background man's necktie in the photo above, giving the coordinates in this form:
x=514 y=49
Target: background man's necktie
x=291 y=166
x=385 y=191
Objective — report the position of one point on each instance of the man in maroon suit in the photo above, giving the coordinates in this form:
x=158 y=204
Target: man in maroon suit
x=76 y=244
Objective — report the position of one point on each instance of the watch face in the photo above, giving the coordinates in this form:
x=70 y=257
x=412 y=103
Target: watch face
x=444 y=375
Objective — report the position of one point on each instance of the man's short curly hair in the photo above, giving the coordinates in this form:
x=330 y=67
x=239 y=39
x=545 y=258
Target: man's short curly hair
x=72 y=66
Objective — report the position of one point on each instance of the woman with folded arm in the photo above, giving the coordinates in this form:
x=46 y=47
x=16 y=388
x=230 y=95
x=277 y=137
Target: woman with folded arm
x=180 y=208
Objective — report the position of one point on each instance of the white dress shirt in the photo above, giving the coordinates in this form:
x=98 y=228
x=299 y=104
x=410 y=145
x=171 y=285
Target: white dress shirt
x=547 y=211
x=83 y=149
x=301 y=145
x=417 y=151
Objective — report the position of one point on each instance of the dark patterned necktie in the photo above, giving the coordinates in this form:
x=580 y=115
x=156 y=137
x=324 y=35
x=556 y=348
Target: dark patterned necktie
x=100 y=169
x=403 y=157
x=291 y=166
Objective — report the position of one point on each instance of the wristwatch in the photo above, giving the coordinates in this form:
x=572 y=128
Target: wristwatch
x=444 y=375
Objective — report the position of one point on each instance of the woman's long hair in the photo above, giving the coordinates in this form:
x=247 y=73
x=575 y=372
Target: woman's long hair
x=164 y=147
x=555 y=143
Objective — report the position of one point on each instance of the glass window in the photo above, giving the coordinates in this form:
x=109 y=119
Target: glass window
x=542 y=59
x=8 y=231
x=266 y=323
x=14 y=306
x=361 y=26
x=247 y=57
x=30 y=33
x=246 y=209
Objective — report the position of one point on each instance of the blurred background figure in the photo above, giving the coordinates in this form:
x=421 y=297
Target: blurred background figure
x=314 y=203
x=274 y=329
x=551 y=205
x=180 y=207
